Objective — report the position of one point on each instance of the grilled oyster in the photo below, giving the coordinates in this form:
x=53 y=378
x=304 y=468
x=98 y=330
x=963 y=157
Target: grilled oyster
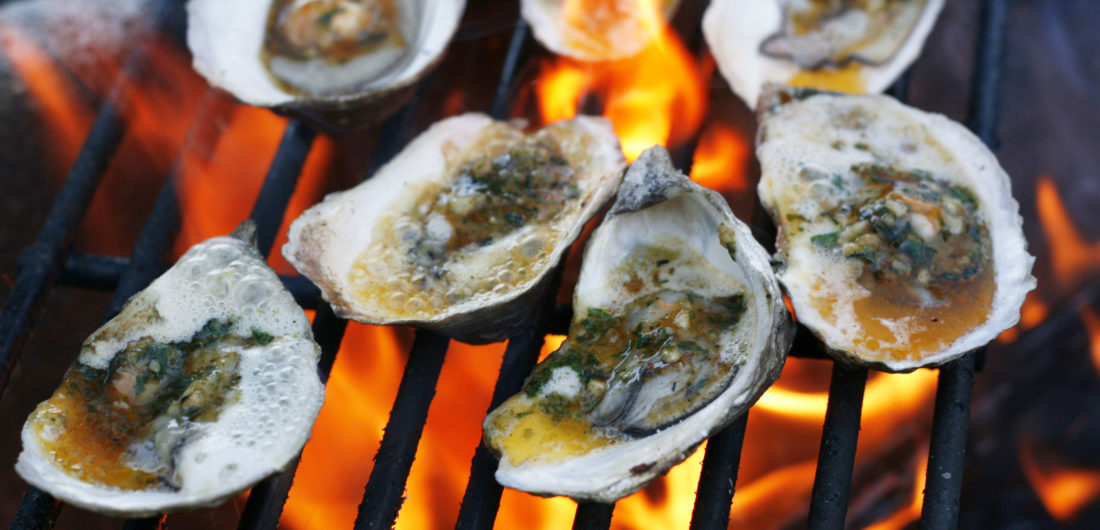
x=596 y=30
x=678 y=328
x=900 y=240
x=339 y=63
x=462 y=228
x=205 y=383
x=846 y=45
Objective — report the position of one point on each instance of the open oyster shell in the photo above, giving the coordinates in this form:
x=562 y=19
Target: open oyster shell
x=459 y=233
x=596 y=30
x=858 y=46
x=229 y=44
x=679 y=326
x=900 y=242
x=205 y=383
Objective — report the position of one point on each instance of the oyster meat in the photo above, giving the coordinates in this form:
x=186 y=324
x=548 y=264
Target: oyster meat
x=900 y=242
x=340 y=63
x=678 y=327
x=858 y=46
x=596 y=30
x=205 y=383
x=459 y=233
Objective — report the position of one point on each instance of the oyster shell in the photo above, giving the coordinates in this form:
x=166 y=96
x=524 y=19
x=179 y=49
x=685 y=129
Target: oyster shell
x=205 y=383
x=858 y=46
x=678 y=327
x=340 y=63
x=900 y=241
x=596 y=30
x=462 y=228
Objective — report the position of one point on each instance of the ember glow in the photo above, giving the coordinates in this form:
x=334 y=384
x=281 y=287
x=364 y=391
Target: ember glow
x=655 y=97
x=1064 y=489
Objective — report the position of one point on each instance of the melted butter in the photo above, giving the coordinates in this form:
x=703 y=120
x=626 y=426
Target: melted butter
x=445 y=248
x=920 y=329
x=529 y=435
x=627 y=373
x=848 y=78
x=91 y=426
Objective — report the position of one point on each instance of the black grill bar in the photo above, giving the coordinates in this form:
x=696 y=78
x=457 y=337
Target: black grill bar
x=833 y=478
x=947 y=449
x=482 y=497
x=38 y=511
x=279 y=184
x=44 y=257
x=719 y=477
x=383 y=495
x=92 y=271
x=593 y=516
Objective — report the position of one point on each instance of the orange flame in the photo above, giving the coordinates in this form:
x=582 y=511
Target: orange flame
x=1092 y=325
x=655 y=97
x=910 y=513
x=720 y=160
x=1073 y=258
x=68 y=119
x=1062 y=489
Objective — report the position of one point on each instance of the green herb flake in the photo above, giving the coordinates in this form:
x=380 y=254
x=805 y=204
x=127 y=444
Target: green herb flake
x=825 y=241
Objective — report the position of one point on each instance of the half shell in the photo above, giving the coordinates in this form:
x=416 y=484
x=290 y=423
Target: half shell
x=900 y=242
x=227 y=42
x=596 y=30
x=462 y=228
x=679 y=326
x=205 y=383
x=852 y=46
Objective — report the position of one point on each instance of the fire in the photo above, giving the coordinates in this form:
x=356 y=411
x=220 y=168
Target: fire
x=655 y=97
x=907 y=515
x=241 y=154
x=720 y=160
x=1072 y=256
x=58 y=104
x=1063 y=490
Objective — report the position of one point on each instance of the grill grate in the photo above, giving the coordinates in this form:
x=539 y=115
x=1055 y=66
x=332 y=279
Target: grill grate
x=48 y=261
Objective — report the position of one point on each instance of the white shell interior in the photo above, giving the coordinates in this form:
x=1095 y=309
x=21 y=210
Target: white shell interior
x=226 y=39
x=798 y=134
x=325 y=242
x=760 y=341
x=280 y=393
x=734 y=30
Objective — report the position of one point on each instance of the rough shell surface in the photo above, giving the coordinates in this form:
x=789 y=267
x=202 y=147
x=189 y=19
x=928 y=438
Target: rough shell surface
x=656 y=202
x=326 y=242
x=735 y=29
x=279 y=397
x=805 y=130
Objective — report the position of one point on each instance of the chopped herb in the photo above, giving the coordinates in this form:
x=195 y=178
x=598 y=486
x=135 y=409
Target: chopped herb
x=827 y=241
x=796 y=217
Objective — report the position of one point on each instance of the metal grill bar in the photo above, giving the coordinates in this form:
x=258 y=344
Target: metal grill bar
x=43 y=258
x=833 y=478
x=279 y=184
x=719 y=477
x=947 y=450
x=383 y=495
x=593 y=516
